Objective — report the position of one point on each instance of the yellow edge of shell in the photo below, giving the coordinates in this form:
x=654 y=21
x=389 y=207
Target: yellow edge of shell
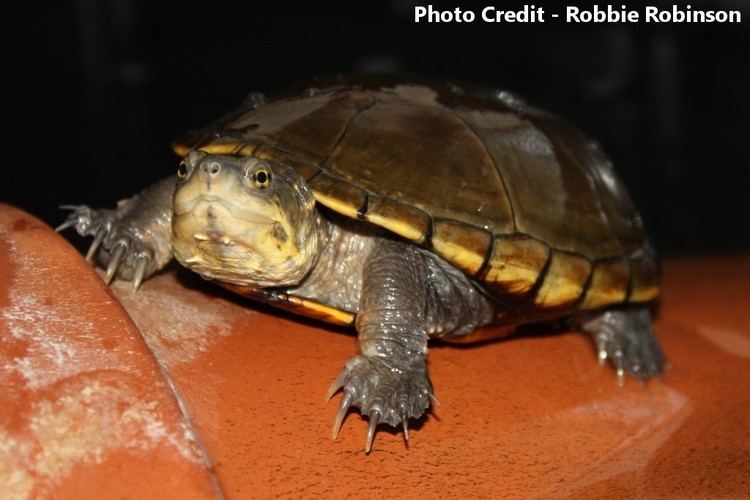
x=335 y=204
x=563 y=284
x=324 y=312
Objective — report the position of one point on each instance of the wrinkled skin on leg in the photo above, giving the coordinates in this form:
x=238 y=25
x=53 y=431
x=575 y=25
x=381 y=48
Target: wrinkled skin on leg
x=402 y=294
x=398 y=291
x=407 y=296
x=388 y=380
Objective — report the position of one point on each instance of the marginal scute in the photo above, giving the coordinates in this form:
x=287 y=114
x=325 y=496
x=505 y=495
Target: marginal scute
x=645 y=280
x=464 y=246
x=515 y=263
x=275 y=116
x=416 y=93
x=223 y=145
x=402 y=155
x=305 y=168
x=624 y=225
x=181 y=148
x=310 y=124
x=609 y=283
x=489 y=332
x=294 y=303
x=564 y=281
x=423 y=155
x=405 y=220
x=488 y=120
x=554 y=186
x=187 y=142
x=318 y=310
x=337 y=194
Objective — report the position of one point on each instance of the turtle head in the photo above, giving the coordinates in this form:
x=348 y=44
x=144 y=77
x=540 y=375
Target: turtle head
x=244 y=221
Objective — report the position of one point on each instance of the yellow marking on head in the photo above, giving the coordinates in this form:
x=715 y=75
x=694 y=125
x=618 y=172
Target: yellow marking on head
x=232 y=226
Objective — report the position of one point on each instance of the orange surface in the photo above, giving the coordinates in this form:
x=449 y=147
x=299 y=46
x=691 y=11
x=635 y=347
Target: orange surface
x=85 y=411
x=527 y=416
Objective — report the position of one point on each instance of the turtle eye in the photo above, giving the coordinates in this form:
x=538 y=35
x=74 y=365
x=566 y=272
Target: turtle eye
x=261 y=177
x=182 y=170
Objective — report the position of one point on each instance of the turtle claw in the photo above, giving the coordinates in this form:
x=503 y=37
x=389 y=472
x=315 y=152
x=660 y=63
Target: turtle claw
x=115 y=261
x=385 y=393
x=80 y=218
x=405 y=425
x=601 y=349
x=116 y=246
x=65 y=225
x=433 y=398
x=100 y=234
x=624 y=337
x=618 y=361
x=374 y=420
x=142 y=262
x=337 y=384
x=346 y=403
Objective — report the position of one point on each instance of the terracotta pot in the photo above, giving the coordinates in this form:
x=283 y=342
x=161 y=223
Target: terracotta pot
x=202 y=394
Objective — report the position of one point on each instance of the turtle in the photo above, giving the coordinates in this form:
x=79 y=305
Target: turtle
x=406 y=208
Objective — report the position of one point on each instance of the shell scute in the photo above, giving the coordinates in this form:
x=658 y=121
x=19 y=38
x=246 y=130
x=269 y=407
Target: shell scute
x=610 y=280
x=463 y=245
x=516 y=198
x=515 y=264
x=405 y=220
x=338 y=195
x=564 y=281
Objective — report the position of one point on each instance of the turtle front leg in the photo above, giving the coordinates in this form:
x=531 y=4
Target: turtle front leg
x=133 y=240
x=388 y=380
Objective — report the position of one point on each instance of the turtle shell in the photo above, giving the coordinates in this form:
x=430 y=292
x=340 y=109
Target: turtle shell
x=515 y=197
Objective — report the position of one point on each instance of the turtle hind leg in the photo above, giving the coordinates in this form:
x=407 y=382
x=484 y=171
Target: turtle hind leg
x=624 y=336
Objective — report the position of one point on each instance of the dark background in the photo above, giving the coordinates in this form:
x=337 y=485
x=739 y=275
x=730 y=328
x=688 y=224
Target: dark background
x=93 y=91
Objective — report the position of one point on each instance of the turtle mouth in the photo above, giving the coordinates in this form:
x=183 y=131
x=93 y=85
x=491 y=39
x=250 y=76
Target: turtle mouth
x=213 y=207
x=213 y=221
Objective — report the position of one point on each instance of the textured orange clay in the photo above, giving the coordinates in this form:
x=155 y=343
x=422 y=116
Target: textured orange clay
x=84 y=410
x=527 y=416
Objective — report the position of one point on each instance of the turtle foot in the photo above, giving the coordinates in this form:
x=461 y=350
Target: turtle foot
x=116 y=247
x=385 y=392
x=625 y=338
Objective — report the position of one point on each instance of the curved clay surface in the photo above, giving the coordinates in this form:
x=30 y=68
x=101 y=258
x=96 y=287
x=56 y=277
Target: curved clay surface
x=87 y=412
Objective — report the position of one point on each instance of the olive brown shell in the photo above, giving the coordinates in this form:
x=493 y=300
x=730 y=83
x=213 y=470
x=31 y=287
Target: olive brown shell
x=515 y=197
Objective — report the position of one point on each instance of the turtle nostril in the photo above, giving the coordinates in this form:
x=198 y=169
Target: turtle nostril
x=212 y=168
